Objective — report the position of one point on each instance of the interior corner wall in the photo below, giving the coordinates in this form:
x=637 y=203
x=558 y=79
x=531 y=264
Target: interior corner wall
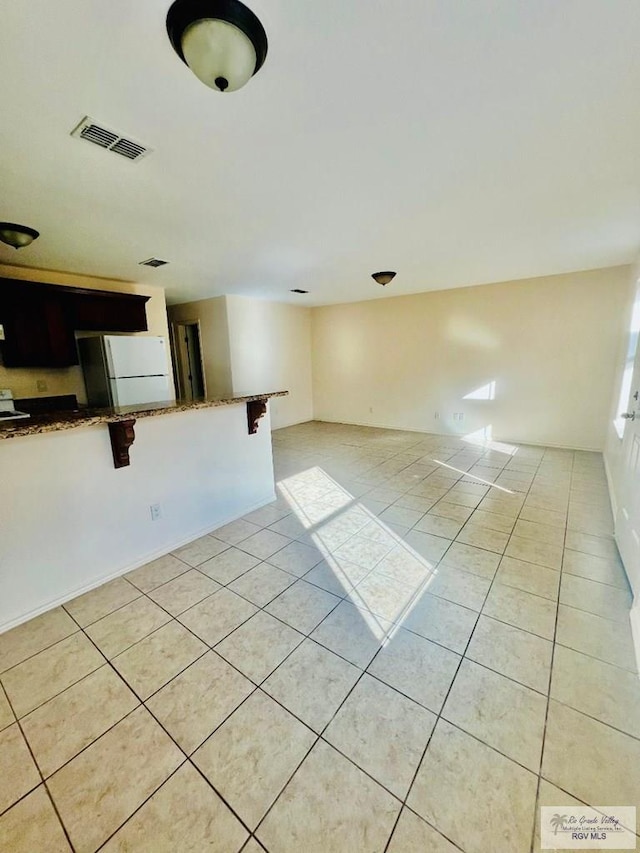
x=69 y=380
x=270 y=350
x=214 y=340
x=531 y=361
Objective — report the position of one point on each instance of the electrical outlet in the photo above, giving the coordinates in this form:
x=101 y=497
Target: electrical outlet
x=436 y=416
x=156 y=512
x=370 y=410
x=42 y=385
x=460 y=416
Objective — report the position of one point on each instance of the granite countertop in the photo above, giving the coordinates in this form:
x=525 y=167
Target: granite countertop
x=54 y=421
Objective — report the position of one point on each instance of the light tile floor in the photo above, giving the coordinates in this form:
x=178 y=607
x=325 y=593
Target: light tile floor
x=417 y=644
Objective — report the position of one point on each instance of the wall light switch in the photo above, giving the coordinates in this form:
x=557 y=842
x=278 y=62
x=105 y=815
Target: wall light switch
x=1 y=332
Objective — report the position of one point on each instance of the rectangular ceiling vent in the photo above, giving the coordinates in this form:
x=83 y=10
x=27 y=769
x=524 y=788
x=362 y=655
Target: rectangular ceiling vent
x=153 y=262
x=109 y=139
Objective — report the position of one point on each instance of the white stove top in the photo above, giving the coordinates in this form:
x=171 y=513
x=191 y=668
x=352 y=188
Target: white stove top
x=7 y=409
x=12 y=415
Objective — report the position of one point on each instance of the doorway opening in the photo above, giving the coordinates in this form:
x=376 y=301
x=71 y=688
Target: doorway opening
x=188 y=352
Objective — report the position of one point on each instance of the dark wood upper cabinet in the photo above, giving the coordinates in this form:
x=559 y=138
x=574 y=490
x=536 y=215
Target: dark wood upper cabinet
x=110 y=312
x=37 y=333
x=39 y=320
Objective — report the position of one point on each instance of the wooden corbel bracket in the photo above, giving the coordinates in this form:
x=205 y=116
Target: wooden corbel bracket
x=255 y=410
x=122 y=437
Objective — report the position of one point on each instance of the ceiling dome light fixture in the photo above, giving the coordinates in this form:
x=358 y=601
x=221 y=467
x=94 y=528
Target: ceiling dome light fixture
x=17 y=236
x=221 y=41
x=383 y=277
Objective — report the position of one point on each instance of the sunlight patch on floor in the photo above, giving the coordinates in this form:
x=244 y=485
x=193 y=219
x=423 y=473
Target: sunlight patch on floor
x=483 y=437
x=328 y=513
x=473 y=477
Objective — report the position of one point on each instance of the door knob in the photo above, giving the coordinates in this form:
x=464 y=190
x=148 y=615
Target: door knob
x=631 y=416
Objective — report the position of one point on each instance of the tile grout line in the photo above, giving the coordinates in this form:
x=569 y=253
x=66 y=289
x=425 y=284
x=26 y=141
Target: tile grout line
x=320 y=735
x=439 y=715
x=43 y=649
x=553 y=652
x=17 y=722
x=307 y=635
x=579 y=711
x=419 y=764
x=153 y=793
x=187 y=758
x=330 y=721
x=40 y=773
x=335 y=713
x=42 y=783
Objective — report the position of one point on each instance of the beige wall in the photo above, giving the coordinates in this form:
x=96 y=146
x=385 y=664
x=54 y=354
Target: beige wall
x=270 y=345
x=549 y=344
x=214 y=337
x=22 y=381
x=250 y=346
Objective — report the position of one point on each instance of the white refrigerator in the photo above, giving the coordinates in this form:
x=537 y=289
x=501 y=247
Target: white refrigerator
x=125 y=370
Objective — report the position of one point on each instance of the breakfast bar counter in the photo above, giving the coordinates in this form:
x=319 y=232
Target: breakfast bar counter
x=86 y=416
x=77 y=512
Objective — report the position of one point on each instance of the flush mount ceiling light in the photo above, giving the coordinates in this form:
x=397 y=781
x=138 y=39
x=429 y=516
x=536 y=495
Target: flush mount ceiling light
x=153 y=262
x=221 y=41
x=17 y=236
x=383 y=277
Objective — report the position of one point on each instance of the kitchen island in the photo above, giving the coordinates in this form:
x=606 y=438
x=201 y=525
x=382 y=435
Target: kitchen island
x=72 y=517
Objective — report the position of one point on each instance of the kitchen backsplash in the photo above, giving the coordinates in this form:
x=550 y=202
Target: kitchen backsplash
x=24 y=381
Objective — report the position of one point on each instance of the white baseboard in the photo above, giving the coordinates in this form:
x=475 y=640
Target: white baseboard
x=289 y=423
x=123 y=570
x=496 y=438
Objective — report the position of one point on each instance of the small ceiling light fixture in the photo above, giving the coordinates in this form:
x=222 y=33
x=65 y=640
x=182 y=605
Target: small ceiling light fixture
x=152 y=262
x=17 y=236
x=383 y=277
x=221 y=41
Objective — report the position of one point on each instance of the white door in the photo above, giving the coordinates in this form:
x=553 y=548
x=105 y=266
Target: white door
x=132 y=356
x=140 y=389
x=628 y=514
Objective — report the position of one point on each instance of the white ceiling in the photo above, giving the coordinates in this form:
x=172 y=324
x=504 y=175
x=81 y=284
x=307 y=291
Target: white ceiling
x=456 y=141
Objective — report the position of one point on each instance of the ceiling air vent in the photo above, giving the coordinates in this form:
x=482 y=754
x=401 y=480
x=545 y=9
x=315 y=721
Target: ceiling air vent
x=109 y=139
x=153 y=262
